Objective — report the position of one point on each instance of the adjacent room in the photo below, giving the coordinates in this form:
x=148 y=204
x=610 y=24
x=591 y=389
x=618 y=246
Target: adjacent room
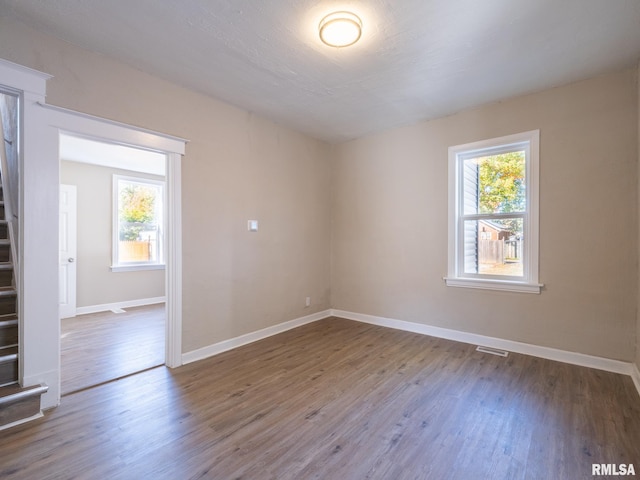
x=319 y=239
x=112 y=284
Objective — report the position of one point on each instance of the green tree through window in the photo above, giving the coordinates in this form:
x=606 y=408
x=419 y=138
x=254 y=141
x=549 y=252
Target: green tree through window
x=501 y=188
x=137 y=210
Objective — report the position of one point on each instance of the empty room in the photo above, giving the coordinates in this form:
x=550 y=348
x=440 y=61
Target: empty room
x=388 y=240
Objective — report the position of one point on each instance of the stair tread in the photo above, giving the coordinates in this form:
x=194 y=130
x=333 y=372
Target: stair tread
x=8 y=291
x=8 y=323
x=5 y=241
x=10 y=390
x=16 y=391
x=6 y=266
x=8 y=354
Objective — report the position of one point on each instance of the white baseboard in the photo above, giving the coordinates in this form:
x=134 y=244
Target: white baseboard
x=573 y=358
x=635 y=376
x=105 y=307
x=232 y=343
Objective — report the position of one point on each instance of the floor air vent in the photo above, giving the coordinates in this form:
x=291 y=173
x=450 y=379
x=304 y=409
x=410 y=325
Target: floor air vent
x=492 y=351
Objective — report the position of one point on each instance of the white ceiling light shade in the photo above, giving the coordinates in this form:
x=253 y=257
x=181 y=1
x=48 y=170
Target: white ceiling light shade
x=340 y=29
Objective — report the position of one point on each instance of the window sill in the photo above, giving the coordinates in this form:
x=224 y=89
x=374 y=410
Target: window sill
x=136 y=268
x=502 y=285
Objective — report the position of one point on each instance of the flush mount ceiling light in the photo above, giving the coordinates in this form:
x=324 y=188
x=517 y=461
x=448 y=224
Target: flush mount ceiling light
x=340 y=29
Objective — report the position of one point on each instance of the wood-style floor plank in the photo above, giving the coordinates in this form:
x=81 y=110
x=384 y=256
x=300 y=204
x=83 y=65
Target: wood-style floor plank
x=338 y=400
x=99 y=347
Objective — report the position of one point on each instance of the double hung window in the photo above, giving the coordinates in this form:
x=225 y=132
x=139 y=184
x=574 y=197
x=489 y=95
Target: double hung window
x=493 y=214
x=138 y=223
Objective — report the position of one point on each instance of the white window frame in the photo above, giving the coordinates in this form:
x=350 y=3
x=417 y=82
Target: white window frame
x=116 y=265
x=456 y=276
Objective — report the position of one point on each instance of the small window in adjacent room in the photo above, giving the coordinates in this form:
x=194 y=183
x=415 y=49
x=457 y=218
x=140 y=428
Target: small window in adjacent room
x=493 y=214
x=138 y=224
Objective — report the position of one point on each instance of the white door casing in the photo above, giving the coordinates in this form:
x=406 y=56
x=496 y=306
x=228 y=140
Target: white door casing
x=68 y=250
x=39 y=336
x=69 y=122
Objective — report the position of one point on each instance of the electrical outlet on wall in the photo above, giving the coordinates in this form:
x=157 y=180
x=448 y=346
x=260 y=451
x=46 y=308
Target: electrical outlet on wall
x=307 y=302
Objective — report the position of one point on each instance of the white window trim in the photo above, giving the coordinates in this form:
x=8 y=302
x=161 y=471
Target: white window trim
x=529 y=283
x=134 y=266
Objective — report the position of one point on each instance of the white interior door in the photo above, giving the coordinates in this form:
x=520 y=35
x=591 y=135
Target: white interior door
x=68 y=247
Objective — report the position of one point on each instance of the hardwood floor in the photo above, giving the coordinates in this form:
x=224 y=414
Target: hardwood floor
x=338 y=399
x=99 y=347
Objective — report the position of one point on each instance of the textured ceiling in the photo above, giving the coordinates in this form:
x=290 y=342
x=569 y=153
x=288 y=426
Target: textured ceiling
x=417 y=59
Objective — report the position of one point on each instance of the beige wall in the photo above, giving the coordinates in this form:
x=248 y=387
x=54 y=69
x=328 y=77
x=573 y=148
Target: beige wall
x=390 y=221
x=237 y=167
x=97 y=284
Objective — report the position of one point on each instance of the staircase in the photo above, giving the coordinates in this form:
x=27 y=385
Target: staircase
x=8 y=310
x=17 y=404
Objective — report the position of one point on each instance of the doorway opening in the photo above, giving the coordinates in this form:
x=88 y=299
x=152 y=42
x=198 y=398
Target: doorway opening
x=113 y=231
